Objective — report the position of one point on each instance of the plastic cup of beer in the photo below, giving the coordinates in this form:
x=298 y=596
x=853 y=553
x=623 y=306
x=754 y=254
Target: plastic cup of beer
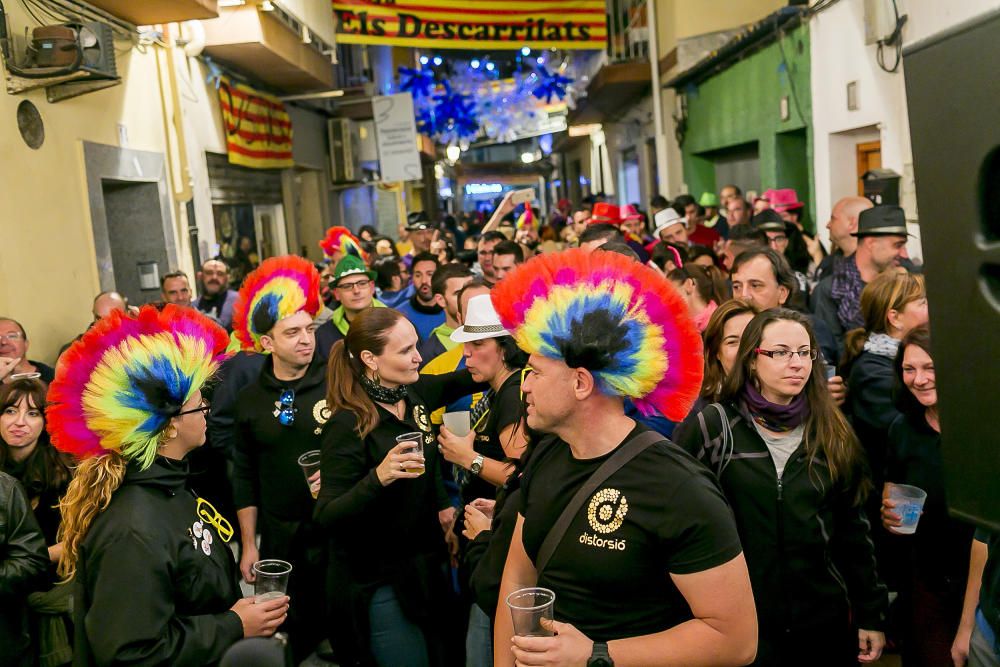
x=909 y=502
x=528 y=606
x=458 y=422
x=309 y=462
x=416 y=439
x=272 y=579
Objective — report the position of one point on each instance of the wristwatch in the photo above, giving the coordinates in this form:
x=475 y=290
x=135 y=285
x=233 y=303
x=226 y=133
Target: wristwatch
x=599 y=656
x=477 y=464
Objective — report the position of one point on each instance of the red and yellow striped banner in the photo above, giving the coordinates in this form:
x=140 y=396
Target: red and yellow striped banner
x=473 y=24
x=258 y=129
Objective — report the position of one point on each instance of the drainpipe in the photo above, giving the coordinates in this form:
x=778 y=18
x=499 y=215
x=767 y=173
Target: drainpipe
x=659 y=138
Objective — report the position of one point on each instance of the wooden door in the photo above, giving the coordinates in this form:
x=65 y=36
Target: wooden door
x=869 y=157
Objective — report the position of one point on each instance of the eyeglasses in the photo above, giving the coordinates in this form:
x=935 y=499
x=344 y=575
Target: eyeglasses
x=12 y=337
x=208 y=514
x=285 y=409
x=786 y=355
x=202 y=407
x=350 y=287
x=778 y=240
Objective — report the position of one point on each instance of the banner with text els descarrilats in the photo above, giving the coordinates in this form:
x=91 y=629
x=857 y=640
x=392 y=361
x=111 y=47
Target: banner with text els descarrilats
x=473 y=24
x=258 y=129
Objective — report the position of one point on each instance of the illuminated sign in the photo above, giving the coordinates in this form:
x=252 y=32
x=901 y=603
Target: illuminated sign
x=483 y=189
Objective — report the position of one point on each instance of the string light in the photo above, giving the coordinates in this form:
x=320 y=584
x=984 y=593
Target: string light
x=424 y=60
x=437 y=61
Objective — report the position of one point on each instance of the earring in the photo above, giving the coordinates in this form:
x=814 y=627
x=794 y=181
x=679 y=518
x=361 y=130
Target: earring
x=376 y=378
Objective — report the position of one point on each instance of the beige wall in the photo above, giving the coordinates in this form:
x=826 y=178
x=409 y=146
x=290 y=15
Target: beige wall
x=698 y=17
x=48 y=274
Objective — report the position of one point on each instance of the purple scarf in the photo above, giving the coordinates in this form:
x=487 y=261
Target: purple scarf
x=845 y=289
x=774 y=417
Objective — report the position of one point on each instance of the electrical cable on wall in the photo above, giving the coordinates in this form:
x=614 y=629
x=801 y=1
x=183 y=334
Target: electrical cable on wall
x=895 y=40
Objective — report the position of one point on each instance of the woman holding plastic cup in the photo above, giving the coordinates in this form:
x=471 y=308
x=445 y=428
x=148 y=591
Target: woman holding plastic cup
x=382 y=498
x=495 y=437
x=935 y=564
x=156 y=582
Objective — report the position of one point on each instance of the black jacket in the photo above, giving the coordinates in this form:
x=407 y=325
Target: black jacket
x=265 y=456
x=871 y=408
x=154 y=582
x=24 y=561
x=807 y=543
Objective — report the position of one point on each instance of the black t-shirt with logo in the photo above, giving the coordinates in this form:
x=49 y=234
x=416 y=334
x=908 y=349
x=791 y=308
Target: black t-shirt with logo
x=661 y=514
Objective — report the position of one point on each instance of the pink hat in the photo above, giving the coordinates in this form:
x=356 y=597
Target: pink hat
x=629 y=212
x=785 y=199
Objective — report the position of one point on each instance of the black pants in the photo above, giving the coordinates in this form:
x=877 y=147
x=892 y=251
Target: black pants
x=301 y=544
x=816 y=646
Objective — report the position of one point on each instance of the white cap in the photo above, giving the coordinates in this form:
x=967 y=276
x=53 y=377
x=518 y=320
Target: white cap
x=481 y=321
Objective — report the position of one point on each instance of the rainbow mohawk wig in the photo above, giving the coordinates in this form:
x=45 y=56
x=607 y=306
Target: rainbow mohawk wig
x=602 y=311
x=118 y=386
x=340 y=239
x=278 y=288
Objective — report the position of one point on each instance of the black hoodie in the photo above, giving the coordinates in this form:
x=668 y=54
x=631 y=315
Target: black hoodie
x=154 y=582
x=266 y=453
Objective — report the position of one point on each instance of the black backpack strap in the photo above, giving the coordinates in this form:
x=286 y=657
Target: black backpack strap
x=615 y=462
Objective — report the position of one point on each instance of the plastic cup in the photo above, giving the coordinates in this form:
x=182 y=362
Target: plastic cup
x=272 y=579
x=528 y=606
x=417 y=438
x=458 y=422
x=909 y=504
x=309 y=462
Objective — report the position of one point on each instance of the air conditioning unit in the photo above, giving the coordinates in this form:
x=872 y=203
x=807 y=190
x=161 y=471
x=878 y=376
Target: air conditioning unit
x=345 y=150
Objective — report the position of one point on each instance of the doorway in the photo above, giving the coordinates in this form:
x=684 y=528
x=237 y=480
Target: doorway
x=869 y=156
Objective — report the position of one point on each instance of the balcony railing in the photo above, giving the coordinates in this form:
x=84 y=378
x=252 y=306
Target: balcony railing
x=628 y=32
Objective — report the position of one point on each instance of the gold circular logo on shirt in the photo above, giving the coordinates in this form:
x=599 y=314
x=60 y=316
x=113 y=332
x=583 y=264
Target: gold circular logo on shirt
x=321 y=413
x=607 y=510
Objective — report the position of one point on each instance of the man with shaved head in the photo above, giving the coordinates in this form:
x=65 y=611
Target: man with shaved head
x=843 y=222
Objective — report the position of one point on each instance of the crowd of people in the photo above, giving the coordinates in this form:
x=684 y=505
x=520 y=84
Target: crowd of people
x=687 y=422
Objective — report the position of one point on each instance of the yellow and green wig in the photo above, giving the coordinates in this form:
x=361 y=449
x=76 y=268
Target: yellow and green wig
x=118 y=386
x=621 y=320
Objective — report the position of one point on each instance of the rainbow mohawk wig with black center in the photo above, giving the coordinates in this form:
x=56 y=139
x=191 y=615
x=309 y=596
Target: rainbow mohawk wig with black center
x=278 y=288
x=340 y=239
x=117 y=387
x=621 y=320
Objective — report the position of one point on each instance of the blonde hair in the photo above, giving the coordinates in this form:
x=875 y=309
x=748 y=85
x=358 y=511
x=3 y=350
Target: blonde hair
x=891 y=290
x=88 y=495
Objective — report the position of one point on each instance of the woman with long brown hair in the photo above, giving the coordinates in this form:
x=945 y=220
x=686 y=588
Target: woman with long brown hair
x=794 y=475
x=155 y=582
x=382 y=497
x=44 y=472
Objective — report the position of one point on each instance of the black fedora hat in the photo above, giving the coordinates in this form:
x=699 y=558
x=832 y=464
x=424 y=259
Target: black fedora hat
x=417 y=221
x=882 y=220
x=768 y=220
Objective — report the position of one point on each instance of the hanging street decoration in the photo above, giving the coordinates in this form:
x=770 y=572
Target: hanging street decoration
x=469 y=101
x=550 y=84
x=417 y=82
x=487 y=24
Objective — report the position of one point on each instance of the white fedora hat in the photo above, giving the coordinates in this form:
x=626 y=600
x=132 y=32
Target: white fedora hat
x=666 y=218
x=481 y=321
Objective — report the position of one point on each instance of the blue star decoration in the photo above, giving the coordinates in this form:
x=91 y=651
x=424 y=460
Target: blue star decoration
x=550 y=84
x=454 y=115
x=417 y=82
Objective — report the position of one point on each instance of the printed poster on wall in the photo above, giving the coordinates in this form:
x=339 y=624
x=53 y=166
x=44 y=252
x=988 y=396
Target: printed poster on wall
x=396 y=134
x=473 y=24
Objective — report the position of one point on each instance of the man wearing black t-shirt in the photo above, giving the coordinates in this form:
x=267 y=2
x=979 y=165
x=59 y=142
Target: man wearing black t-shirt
x=650 y=570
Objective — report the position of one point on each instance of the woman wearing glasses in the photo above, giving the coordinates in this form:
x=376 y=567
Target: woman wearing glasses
x=155 y=581
x=382 y=498
x=794 y=475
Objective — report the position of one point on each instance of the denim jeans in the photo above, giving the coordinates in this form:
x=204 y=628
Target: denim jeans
x=982 y=647
x=479 y=639
x=395 y=640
